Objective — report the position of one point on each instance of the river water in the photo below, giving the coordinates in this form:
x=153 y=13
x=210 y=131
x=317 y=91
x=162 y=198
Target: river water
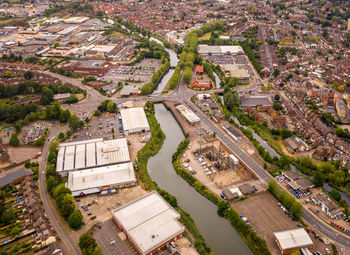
x=174 y=60
x=217 y=231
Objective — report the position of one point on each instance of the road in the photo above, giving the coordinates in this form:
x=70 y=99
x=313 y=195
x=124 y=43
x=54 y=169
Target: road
x=68 y=244
x=181 y=94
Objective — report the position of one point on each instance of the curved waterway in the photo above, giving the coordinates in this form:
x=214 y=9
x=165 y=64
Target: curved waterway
x=217 y=231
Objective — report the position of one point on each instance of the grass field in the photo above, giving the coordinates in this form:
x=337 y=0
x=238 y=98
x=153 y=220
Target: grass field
x=205 y=36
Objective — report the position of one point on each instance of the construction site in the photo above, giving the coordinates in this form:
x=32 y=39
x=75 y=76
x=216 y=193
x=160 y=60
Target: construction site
x=213 y=164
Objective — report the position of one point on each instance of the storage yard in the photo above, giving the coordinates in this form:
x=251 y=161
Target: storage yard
x=266 y=216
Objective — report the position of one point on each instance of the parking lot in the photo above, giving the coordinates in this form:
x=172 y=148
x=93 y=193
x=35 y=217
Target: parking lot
x=104 y=204
x=266 y=217
x=138 y=74
x=106 y=236
x=100 y=127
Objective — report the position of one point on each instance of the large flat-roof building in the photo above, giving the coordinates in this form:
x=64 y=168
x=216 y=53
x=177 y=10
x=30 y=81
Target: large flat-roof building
x=91 y=153
x=204 y=49
x=149 y=223
x=134 y=120
x=96 y=179
x=290 y=241
x=188 y=114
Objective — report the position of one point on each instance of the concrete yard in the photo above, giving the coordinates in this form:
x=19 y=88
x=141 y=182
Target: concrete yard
x=23 y=153
x=267 y=217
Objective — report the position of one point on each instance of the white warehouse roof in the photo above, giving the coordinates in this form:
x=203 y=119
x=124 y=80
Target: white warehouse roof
x=295 y=238
x=189 y=115
x=91 y=153
x=149 y=222
x=112 y=175
x=232 y=49
x=134 y=120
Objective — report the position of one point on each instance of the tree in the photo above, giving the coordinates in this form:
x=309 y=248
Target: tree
x=64 y=116
x=231 y=99
x=74 y=122
x=15 y=231
x=277 y=106
x=222 y=207
x=187 y=75
x=14 y=141
x=66 y=205
x=335 y=194
x=61 y=135
x=8 y=216
x=297 y=210
x=46 y=96
x=75 y=220
x=59 y=190
x=277 y=97
x=111 y=107
x=318 y=179
x=97 y=113
x=51 y=183
x=86 y=241
x=343 y=203
x=28 y=75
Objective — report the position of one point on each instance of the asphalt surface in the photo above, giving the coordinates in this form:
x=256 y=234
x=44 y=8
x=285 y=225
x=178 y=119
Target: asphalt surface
x=69 y=246
x=181 y=94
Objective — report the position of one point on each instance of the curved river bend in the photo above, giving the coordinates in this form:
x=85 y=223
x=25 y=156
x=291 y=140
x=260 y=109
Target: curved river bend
x=217 y=231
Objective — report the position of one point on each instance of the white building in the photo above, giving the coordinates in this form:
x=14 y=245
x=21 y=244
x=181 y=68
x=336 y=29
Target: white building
x=188 y=114
x=96 y=179
x=220 y=50
x=290 y=241
x=149 y=223
x=91 y=153
x=134 y=120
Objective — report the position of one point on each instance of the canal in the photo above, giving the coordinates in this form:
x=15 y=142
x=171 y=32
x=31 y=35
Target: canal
x=217 y=231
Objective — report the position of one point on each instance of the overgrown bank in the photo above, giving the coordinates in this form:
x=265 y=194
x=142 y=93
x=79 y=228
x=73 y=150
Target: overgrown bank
x=151 y=149
x=247 y=233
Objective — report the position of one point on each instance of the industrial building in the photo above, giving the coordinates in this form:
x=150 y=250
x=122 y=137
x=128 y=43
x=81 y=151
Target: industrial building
x=290 y=241
x=149 y=223
x=189 y=115
x=220 y=50
x=91 y=153
x=97 y=179
x=134 y=120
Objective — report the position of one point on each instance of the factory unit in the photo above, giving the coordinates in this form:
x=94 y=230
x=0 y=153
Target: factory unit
x=220 y=50
x=189 y=115
x=91 y=153
x=149 y=223
x=105 y=178
x=134 y=120
x=291 y=241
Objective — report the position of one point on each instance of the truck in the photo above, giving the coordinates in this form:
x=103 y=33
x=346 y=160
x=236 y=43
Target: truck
x=233 y=159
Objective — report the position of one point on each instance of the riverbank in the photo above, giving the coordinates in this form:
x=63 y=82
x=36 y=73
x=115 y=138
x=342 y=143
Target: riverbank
x=217 y=232
x=151 y=149
x=255 y=243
